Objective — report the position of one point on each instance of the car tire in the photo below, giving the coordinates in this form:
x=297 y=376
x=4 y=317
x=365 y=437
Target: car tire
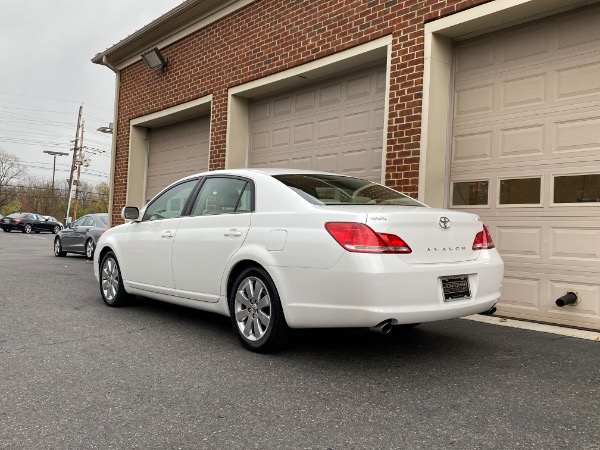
x=27 y=228
x=56 y=229
x=89 y=249
x=256 y=313
x=58 y=251
x=111 y=284
x=6 y=230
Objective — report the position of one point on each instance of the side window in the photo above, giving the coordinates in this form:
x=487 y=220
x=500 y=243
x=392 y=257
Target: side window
x=88 y=222
x=246 y=199
x=170 y=203
x=79 y=222
x=223 y=196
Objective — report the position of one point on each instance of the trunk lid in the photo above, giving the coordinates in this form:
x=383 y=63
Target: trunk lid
x=434 y=235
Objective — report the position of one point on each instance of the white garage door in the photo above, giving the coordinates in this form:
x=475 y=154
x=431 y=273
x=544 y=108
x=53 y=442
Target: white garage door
x=335 y=125
x=526 y=157
x=175 y=151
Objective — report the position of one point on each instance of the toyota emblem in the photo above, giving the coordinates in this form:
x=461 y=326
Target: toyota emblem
x=444 y=223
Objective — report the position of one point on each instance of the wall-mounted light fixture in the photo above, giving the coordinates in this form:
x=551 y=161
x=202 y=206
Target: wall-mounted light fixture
x=153 y=58
x=108 y=129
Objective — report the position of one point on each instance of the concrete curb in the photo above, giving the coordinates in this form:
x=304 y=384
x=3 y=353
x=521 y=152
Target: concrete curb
x=553 y=329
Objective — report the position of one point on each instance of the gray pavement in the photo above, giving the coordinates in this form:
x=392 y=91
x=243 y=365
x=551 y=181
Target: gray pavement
x=75 y=374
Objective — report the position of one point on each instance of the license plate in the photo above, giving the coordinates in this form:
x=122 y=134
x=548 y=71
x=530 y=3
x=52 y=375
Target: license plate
x=456 y=288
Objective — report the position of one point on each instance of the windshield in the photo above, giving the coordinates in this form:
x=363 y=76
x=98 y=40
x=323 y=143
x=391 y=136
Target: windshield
x=104 y=218
x=339 y=190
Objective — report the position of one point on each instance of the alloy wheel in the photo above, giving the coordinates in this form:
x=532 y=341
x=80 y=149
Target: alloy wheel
x=252 y=308
x=109 y=279
x=89 y=249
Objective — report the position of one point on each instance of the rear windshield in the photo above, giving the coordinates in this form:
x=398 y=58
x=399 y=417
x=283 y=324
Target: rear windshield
x=104 y=218
x=339 y=190
x=17 y=216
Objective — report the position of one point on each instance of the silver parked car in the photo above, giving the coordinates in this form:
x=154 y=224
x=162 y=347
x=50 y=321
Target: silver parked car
x=81 y=236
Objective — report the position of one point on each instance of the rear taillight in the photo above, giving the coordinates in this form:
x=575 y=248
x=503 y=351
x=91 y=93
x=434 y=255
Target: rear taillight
x=18 y=220
x=359 y=238
x=483 y=240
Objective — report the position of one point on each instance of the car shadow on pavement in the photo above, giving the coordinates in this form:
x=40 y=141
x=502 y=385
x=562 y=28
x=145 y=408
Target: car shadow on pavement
x=425 y=341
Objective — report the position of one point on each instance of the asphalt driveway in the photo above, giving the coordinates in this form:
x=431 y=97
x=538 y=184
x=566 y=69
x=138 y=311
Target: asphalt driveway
x=75 y=374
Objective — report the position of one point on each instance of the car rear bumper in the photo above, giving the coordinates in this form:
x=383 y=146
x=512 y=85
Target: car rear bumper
x=365 y=290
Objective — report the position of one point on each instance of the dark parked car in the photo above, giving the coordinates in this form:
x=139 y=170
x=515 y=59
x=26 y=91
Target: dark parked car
x=28 y=222
x=81 y=236
x=54 y=219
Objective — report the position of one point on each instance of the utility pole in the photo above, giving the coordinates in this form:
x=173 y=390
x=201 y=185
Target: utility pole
x=79 y=164
x=75 y=150
x=55 y=154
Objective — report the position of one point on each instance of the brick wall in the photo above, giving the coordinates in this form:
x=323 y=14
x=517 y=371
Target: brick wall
x=269 y=36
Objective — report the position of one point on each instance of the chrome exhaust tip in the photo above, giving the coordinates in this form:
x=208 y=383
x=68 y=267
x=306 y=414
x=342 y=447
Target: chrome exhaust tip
x=489 y=312
x=382 y=328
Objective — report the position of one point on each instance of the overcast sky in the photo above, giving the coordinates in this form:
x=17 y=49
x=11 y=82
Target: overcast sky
x=46 y=74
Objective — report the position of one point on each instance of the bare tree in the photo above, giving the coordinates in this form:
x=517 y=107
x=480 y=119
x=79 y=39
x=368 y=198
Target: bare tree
x=10 y=169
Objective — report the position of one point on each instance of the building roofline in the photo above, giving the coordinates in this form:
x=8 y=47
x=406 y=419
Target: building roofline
x=177 y=23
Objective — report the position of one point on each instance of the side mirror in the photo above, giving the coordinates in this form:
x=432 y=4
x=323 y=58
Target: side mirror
x=130 y=213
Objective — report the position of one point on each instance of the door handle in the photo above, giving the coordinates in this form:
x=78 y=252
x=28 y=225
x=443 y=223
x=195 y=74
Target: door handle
x=233 y=233
x=167 y=234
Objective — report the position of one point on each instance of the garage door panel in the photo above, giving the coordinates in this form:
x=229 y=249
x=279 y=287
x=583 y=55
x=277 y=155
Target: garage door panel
x=357 y=158
x=547 y=138
x=326 y=163
x=588 y=294
x=519 y=242
x=261 y=111
x=525 y=43
x=530 y=295
x=472 y=146
x=304 y=133
x=524 y=91
x=522 y=141
x=474 y=55
x=575 y=244
x=577 y=29
x=329 y=128
x=474 y=100
x=520 y=292
x=577 y=134
x=359 y=86
x=175 y=151
x=526 y=129
x=579 y=80
x=336 y=125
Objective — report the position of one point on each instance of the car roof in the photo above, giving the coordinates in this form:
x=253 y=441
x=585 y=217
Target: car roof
x=269 y=171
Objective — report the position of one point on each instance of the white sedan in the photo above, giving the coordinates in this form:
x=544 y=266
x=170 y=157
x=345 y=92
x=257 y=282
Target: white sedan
x=276 y=249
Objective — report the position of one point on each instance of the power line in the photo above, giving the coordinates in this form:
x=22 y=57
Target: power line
x=55 y=99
